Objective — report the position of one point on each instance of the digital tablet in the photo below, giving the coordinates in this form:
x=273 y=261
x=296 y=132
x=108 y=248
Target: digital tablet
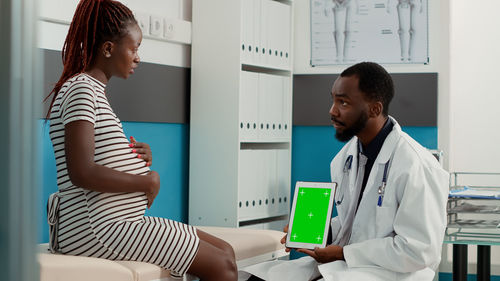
x=310 y=216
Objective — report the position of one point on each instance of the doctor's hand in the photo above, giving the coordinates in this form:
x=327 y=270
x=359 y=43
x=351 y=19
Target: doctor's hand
x=323 y=255
x=283 y=240
x=143 y=151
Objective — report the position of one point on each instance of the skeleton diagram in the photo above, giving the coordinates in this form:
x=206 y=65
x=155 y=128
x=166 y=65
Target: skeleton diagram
x=408 y=11
x=343 y=11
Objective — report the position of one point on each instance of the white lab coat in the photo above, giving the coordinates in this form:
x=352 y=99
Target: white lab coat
x=401 y=240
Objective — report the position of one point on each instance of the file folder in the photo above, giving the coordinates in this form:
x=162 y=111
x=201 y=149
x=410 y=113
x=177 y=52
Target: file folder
x=256 y=26
x=283 y=180
x=247 y=33
x=248 y=105
x=263 y=32
x=245 y=178
x=287 y=109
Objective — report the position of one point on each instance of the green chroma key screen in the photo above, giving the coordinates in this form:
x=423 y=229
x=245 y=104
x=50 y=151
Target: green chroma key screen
x=311 y=210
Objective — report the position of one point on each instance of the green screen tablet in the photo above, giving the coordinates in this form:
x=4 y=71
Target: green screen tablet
x=310 y=215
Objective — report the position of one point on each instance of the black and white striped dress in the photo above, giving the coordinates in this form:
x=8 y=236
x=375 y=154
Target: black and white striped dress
x=110 y=225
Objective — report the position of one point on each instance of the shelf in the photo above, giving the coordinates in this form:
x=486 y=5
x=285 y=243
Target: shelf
x=475 y=209
x=262 y=220
x=266 y=69
x=250 y=162
x=265 y=145
x=475 y=224
x=472 y=213
x=471 y=237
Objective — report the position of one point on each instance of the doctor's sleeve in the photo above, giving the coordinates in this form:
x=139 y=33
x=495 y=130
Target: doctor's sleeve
x=419 y=226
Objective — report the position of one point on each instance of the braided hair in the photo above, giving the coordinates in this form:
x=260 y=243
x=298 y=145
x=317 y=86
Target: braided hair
x=94 y=22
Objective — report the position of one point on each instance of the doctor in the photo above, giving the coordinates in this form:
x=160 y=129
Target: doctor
x=391 y=198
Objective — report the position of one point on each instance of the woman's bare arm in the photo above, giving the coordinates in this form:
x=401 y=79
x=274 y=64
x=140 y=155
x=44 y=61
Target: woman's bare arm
x=84 y=172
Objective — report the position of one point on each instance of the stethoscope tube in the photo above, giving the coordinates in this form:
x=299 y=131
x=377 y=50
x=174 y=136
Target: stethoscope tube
x=347 y=168
x=381 y=189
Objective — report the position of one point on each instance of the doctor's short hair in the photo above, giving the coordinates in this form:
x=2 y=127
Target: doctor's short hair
x=374 y=82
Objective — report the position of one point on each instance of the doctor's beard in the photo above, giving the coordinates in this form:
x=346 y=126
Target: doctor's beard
x=354 y=129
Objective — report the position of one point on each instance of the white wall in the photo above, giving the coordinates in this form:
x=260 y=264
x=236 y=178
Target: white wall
x=55 y=16
x=474 y=92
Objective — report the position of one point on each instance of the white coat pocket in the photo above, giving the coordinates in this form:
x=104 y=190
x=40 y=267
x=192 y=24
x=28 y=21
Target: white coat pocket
x=384 y=221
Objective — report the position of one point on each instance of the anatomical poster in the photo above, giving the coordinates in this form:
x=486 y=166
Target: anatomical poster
x=383 y=31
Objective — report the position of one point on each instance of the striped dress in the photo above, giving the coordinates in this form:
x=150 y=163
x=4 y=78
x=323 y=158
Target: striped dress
x=109 y=225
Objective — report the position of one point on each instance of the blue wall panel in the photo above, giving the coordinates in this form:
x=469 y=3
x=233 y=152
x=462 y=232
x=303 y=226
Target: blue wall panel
x=170 y=146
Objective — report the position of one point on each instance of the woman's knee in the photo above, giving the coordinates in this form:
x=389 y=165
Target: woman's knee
x=228 y=249
x=230 y=268
x=214 y=263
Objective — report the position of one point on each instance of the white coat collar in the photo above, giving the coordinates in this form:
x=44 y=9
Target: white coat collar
x=389 y=143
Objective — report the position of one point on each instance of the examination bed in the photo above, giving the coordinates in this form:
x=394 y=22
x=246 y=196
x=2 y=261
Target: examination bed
x=251 y=246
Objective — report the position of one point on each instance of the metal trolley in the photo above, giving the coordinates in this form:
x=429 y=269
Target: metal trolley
x=473 y=219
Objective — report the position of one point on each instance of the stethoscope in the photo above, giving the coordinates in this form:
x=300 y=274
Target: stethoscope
x=381 y=188
x=347 y=167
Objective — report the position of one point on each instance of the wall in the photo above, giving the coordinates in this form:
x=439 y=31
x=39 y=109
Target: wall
x=55 y=16
x=474 y=94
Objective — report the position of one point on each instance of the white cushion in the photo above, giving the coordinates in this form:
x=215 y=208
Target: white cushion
x=56 y=267
x=250 y=246
x=248 y=243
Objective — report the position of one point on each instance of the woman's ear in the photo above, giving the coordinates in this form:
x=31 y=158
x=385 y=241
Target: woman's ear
x=107 y=49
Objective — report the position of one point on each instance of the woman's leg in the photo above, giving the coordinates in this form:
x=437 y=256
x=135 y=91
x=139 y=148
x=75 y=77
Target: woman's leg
x=215 y=259
x=217 y=242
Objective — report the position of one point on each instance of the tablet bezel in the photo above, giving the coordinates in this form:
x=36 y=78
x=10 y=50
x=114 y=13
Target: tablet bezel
x=302 y=245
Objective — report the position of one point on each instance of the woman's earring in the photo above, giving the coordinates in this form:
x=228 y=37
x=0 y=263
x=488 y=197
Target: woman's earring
x=106 y=54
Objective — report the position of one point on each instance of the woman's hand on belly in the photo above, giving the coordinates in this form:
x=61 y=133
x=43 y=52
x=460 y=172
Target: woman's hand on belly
x=154 y=187
x=143 y=151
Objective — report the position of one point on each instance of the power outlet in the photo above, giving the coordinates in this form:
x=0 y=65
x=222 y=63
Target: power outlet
x=169 y=29
x=155 y=26
x=143 y=22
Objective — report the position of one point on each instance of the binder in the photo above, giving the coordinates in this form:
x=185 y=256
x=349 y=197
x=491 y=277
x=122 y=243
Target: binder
x=243 y=101
x=284 y=35
x=275 y=95
x=263 y=124
x=263 y=175
x=247 y=33
x=270 y=192
x=257 y=22
x=283 y=181
x=287 y=36
x=252 y=183
x=273 y=32
x=287 y=109
x=253 y=106
x=263 y=32
x=244 y=183
x=248 y=106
